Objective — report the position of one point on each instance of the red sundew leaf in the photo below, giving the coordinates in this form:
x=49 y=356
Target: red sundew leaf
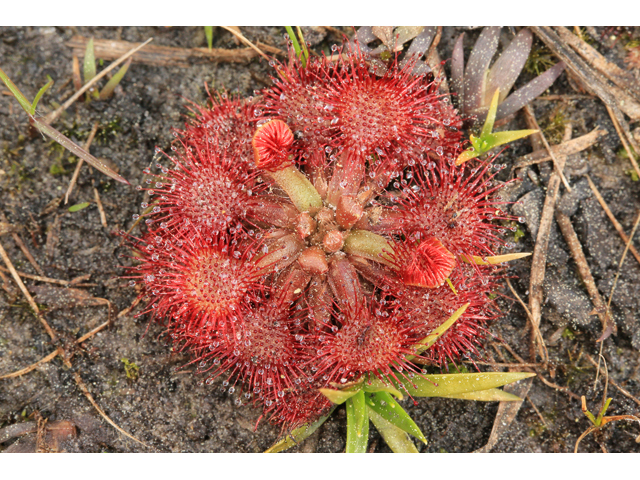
x=429 y=265
x=271 y=144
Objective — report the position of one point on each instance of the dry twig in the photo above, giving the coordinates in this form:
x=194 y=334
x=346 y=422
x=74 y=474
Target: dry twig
x=236 y=33
x=614 y=97
x=532 y=118
x=170 y=56
x=539 y=260
x=87 y=394
x=76 y=172
x=565 y=148
x=625 y=392
x=613 y=219
x=608 y=324
x=49 y=280
x=53 y=116
x=23 y=247
x=620 y=77
x=26 y=293
x=53 y=355
x=632 y=157
x=542 y=348
x=103 y=216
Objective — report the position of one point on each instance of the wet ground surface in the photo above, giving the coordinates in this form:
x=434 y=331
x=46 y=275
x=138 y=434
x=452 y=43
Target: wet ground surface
x=167 y=409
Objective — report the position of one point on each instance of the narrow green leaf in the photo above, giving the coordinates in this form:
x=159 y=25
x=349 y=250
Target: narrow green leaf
x=489 y=395
x=500 y=138
x=76 y=150
x=338 y=396
x=364 y=243
x=433 y=337
x=303 y=44
x=494 y=260
x=296 y=45
x=603 y=411
x=397 y=439
x=590 y=416
x=79 y=206
x=487 y=128
x=298 y=435
x=22 y=100
x=455 y=383
x=208 y=32
x=466 y=156
x=89 y=64
x=114 y=81
x=359 y=411
x=382 y=387
x=39 y=95
x=357 y=424
x=385 y=405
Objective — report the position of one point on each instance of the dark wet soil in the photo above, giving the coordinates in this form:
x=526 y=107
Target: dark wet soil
x=168 y=409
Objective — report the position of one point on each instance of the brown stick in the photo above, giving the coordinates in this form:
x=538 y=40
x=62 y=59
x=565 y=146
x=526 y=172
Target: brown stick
x=77 y=79
x=632 y=158
x=540 y=134
x=48 y=280
x=565 y=148
x=608 y=324
x=26 y=293
x=23 y=247
x=103 y=216
x=624 y=254
x=555 y=98
x=612 y=96
x=620 y=77
x=613 y=219
x=544 y=422
x=625 y=392
x=542 y=348
x=170 y=56
x=76 y=172
x=244 y=40
x=31 y=367
x=53 y=355
x=53 y=116
x=87 y=394
x=538 y=262
x=540 y=376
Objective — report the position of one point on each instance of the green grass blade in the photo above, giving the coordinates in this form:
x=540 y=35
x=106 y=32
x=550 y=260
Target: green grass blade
x=385 y=405
x=113 y=82
x=602 y=412
x=338 y=396
x=79 y=206
x=466 y=156
x=296 y=45
x=89 y=64
x=79 y=152
x=298 y=435
x=359 y=411
x=357 y=431
x=454 y=383
x=381 y=387
x=490 y=395
x=433 y=337
x=397 y=439
x=303 y=44
x=500 y=138
x=487 y=128
x=39 y=95
x=22 y=100
x=208 y=32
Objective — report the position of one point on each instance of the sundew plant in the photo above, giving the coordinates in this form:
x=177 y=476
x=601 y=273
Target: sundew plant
x=326 y=241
